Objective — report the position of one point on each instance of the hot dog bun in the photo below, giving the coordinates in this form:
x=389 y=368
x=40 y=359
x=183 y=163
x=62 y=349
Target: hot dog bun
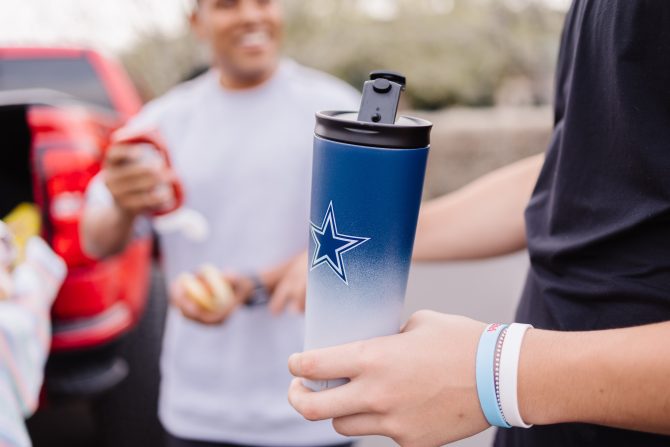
x=196 y=291
x=220 y=290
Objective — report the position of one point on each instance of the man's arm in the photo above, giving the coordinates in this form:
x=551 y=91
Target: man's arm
x=419 y=387
x=105 y=230
x=129 y=190
x=483 y=219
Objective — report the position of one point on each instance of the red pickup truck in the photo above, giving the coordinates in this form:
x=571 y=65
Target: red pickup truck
x=58 y=108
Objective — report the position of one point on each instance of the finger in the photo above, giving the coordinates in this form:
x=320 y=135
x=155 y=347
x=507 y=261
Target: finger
x=299 y=299
x=360 y=425
x=216 y=316
x=143 y=183
x=242 y=286
x=295 y=305
x=336 y=362
x=280 y=297
x=139 y=202
x=187 y=307
x=212 y=318
x=176 y=290
x=297 y=294
x=169 y=176
x=132 y=172
x=194 y=312
x=160 y=197
x=120 y=154
x=327 y=404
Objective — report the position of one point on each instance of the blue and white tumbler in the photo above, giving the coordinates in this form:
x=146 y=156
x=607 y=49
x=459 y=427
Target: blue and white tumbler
x=367 y=179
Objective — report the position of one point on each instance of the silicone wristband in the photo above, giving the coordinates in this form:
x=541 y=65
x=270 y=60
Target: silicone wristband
x=509 y=373
x=484 y=371
x=496 y=368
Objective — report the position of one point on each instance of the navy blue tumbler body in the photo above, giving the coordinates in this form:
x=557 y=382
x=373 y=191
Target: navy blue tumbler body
x=367 y=183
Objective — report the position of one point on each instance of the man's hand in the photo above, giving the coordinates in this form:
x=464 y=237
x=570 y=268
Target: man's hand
x=417 y=387
x=134 y=183
x=242 y=288
x=291 y=289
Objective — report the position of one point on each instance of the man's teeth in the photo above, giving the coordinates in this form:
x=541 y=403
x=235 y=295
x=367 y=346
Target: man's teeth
x=257 y=38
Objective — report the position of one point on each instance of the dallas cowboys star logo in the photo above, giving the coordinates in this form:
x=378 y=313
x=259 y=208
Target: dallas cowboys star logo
x=331 y=245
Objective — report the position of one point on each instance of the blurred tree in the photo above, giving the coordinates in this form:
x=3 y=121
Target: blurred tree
x=158 y=62
x=468 y=52
x=452 y=51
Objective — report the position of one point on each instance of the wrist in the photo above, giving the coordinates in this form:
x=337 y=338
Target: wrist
x=267 y=280
x=258 y=293
x=125 y=215
x=547 y=375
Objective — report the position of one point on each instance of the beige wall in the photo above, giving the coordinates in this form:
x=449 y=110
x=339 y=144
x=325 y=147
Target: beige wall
x=469 y=142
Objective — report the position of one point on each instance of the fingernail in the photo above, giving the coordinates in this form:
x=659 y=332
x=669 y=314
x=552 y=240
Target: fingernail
x=295 y=308
x=293 y=362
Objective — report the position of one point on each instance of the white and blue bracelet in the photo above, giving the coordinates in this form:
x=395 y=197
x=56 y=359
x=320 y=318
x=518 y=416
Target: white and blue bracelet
x=497 y=364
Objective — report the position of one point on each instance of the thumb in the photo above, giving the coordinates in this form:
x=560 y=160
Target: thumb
x=416 y=320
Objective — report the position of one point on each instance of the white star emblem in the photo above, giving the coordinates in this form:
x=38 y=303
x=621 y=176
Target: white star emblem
x=331 y=245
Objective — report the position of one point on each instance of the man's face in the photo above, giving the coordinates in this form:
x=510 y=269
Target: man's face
x=244 y=35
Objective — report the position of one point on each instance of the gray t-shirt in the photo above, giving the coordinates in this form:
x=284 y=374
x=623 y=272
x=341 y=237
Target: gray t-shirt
x=244 y=158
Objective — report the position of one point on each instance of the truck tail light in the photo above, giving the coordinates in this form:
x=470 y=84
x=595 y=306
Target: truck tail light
x=64 y=174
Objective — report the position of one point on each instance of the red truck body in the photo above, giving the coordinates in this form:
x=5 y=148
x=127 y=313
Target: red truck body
x=59 y=108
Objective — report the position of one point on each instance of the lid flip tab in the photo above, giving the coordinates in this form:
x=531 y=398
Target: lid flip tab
x=381 y=95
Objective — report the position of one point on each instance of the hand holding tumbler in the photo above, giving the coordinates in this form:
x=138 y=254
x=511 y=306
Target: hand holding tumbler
x=367 y=180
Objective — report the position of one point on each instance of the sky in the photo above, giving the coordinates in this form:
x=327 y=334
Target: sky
x=114 y=25
x=110 y=25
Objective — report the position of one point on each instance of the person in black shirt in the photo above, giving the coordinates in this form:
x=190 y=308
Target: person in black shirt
x=595 y=370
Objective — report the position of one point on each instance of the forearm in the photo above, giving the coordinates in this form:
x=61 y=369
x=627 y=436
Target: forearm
x=618 y=378
x=481 y=220
x=105 y=231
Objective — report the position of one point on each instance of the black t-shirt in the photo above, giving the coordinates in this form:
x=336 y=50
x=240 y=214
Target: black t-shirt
x=598 y=223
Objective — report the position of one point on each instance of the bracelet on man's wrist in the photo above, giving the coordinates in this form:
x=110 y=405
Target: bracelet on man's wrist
x=259 y=293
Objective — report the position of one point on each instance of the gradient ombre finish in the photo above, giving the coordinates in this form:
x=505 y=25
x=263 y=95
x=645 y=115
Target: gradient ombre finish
x=365 y=201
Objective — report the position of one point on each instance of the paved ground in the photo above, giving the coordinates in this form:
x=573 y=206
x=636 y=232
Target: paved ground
x=127 y=416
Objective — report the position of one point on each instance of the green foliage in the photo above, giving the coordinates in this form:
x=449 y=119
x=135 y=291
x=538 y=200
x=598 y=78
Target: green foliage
x=460 y=56
x=158 y=62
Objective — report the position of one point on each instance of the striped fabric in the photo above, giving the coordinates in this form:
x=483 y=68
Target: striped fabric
x=24 y=338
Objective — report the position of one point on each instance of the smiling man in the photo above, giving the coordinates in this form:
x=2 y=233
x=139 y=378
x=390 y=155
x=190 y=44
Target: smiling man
x=240 y=140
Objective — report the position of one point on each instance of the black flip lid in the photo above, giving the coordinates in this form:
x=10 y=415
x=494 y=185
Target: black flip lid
x=375 y=124
x=407 y=132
